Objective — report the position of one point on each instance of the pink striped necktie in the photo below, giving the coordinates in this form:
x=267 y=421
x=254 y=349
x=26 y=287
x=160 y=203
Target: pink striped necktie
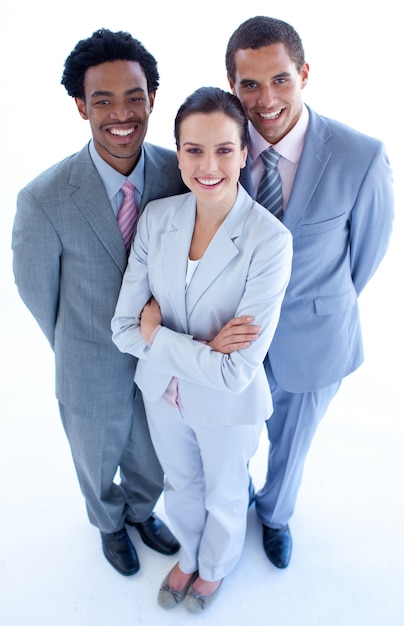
x=127 y=214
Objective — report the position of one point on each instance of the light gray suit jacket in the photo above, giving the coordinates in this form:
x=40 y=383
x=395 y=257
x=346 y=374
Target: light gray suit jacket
x=340 y=214
x=245 y=270
x=69 y=259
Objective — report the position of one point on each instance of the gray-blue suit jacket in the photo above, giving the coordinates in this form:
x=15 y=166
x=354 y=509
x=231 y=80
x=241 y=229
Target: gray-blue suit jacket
x=244 y=271
x=69 y=259
x=340 y=214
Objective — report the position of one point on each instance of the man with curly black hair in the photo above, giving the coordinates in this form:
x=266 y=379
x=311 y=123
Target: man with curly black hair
x=69 y=257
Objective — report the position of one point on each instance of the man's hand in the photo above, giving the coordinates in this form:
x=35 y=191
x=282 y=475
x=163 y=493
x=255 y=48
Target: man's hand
x=150 y=318
x=235 y=335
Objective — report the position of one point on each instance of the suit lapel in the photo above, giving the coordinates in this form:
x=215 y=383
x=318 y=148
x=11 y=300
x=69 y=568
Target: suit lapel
x=218 y=255
x=175 y=245
x=313 y=162
x=88 y=193
x=245 y=177
x=220 y=251
x=156 y=179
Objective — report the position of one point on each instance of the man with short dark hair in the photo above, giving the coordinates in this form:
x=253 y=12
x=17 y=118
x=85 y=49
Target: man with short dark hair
x=337 y=200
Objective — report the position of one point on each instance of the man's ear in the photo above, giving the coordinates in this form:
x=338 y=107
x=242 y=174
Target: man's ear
x=304 y=75
x=152 y=97
x=81 y=107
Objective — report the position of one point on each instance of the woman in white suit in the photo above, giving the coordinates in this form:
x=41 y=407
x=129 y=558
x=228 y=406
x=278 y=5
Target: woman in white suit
x=197 y=261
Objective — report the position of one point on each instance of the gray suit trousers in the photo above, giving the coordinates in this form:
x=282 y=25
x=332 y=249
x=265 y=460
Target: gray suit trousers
x=99 y=447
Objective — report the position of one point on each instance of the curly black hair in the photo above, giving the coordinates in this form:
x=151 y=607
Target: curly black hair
x=104 y=46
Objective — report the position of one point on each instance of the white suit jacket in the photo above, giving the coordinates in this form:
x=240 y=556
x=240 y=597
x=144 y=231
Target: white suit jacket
x=244 y=271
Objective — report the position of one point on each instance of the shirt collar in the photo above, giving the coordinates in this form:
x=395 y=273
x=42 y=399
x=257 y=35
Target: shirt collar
x=112 y=179
x=290 y=147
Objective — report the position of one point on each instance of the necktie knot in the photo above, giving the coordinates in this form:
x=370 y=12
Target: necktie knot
x=270 y=158
x=127 y=214
x=128 y=190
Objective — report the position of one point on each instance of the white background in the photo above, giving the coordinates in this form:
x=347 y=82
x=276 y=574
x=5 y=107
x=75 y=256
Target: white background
x=347 y=564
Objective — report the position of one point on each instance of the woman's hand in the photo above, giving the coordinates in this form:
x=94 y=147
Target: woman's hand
x=235 y=335
x=150 y=318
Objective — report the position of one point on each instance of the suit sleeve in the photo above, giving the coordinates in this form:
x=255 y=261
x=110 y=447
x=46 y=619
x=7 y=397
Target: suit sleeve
x=134 y=294
x=371 y=219
x=36 y=262
x=176 y=354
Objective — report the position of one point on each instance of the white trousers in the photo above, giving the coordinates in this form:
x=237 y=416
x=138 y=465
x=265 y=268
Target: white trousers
x=206 y=486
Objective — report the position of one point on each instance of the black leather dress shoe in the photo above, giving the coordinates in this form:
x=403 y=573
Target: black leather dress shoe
x=120 y=552
x=278 y=545
x=155 y=534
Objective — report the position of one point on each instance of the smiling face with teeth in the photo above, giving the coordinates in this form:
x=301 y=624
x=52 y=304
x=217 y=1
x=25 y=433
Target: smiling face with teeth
x=269 y=86
x=210 y=157
x=117 y=105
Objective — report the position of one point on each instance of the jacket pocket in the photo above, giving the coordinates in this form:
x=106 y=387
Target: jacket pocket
x=332 y=305
x=322 y=227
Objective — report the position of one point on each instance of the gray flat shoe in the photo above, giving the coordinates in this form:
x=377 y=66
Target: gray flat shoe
x=196 y=603
x=168 y=597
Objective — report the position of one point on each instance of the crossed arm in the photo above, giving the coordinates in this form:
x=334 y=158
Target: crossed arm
x=237 y=334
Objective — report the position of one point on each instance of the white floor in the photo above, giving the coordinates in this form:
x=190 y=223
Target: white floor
x=347 y=563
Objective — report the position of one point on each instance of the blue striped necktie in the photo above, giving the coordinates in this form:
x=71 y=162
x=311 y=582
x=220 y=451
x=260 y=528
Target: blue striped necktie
x=270 y=187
